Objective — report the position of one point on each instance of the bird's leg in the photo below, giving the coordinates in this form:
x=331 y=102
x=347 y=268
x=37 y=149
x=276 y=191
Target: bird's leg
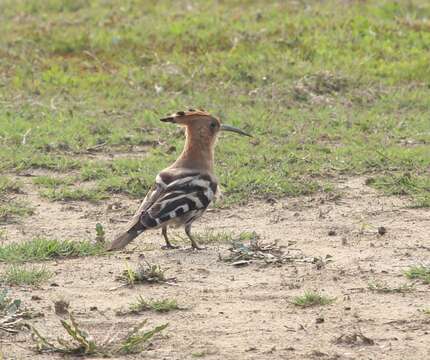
x=194 y=244
x=168 y=244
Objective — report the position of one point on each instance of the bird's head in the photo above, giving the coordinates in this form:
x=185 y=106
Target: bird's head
x=200 y=124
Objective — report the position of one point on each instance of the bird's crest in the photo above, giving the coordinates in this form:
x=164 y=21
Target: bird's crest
x=189 y=112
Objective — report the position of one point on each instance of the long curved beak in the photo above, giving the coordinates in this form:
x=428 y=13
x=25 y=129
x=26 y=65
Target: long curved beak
x=235 y=130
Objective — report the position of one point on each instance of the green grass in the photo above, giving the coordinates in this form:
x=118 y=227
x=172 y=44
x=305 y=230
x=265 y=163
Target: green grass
x=311 y=298
x=162 y=306
x=327 y=88
x=420 y=272
x=19 y=275
x=415 y=186
x=47 y=249
x=72 y=194
x=51 y=181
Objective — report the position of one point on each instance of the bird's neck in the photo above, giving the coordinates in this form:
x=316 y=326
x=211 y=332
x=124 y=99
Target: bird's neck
x=197 y=154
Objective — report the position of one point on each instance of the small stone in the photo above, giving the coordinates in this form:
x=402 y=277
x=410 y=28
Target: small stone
x=61 y=307
x=382 y=230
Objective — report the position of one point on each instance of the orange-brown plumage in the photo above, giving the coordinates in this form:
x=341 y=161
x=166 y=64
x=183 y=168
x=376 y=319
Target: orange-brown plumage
x=184 y=190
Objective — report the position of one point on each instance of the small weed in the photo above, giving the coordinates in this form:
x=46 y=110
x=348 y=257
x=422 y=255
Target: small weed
x=18 y=275
x=11 y=313
x=311 y=298
x=382 y=287
x=164 y=305
x=82 y=343
x=68 y=194
x=419 y=272
x=144 y=273
x=46 y=249
x=100 y=233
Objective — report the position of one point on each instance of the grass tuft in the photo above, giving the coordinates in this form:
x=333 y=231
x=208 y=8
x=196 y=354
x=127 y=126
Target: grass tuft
x=309 y=299
x=47 y=249
x=164 y=305
x=19 y=275
x=420 y=272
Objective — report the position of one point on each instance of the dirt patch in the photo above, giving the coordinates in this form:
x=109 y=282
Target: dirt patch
x=246 y=312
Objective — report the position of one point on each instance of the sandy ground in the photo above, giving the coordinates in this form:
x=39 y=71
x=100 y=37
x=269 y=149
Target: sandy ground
x=247 y=312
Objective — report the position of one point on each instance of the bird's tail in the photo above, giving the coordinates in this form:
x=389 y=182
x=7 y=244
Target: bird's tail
x=122 y=240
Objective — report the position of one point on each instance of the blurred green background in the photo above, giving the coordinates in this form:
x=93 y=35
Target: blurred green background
x=328 y=88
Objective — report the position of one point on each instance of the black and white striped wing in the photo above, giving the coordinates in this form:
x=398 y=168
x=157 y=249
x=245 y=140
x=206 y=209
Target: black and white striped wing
x=150 y=198
x=182 y=201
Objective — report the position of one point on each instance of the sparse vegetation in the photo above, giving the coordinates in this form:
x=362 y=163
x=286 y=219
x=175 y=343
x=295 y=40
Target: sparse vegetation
x=311 y=298
x=25 y=275
x=144 y=273
x=420 y=272
x=11 y=210
x=141 y=305
x=382 y=287
x=46 y=249
x=81 y=343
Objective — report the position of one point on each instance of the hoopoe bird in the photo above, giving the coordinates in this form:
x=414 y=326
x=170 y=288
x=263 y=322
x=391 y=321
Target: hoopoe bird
x=183 y=191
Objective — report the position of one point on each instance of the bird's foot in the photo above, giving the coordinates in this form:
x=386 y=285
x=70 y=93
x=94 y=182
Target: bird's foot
x=195 y=247
x=170 y=247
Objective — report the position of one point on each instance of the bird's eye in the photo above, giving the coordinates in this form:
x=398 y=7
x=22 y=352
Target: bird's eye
x=213 y=125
